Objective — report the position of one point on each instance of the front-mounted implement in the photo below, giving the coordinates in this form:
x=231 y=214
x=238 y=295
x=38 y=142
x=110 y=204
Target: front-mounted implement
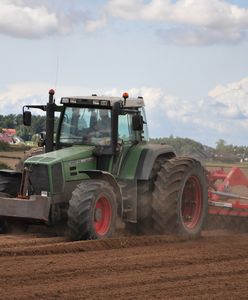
x=17 y=202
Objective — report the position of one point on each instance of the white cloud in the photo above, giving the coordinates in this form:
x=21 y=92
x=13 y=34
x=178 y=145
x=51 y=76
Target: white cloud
x=210 y=14
x=19 y=20
x=92 y=25
x=190 y=22
x=38 y=19
x=233 y=96
x=199 y=119
x=151 y=95
x=15 y=96
x=192 y=113
x=14 y=92
x=223 y=114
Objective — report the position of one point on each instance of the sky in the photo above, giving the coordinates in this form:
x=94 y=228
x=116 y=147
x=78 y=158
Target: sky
x=187 y=58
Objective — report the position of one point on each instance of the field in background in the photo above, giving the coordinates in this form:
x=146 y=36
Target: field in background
x=10 y=158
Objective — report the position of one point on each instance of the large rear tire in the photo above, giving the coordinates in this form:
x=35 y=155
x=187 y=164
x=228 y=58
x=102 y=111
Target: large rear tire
x=180 y=198
x=92 y=211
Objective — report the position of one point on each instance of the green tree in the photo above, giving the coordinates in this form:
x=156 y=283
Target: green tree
x=25 y=132
x=221 y=145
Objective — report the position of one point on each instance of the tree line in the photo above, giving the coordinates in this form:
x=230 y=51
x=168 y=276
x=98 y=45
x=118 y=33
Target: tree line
x=25 y=132
x=222 y=151
x=222 y=148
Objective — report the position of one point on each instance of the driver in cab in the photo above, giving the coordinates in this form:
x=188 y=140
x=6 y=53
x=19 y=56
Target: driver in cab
x=104 y=123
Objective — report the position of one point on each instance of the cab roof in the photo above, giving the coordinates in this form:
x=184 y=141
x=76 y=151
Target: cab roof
x=102 y=101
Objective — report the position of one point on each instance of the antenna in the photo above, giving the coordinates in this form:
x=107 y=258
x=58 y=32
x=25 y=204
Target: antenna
x=56 y=73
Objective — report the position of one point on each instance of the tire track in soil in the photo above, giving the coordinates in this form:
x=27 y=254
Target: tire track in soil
x=52 y=246
x=12 y=241
x=213 y=267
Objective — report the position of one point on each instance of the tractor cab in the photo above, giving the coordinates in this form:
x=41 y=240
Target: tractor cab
x=99 y=121
x=112 y=125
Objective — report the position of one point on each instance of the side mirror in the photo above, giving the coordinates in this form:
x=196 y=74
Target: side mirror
x=27 y=116
x=137 y=123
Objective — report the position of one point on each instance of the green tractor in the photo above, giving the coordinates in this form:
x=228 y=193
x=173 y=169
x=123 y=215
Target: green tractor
x=101 y=167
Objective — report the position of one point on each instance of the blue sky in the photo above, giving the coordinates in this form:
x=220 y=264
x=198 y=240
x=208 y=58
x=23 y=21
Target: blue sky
x=187 y=58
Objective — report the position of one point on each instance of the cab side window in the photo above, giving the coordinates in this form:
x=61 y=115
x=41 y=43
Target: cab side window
x=125 y=128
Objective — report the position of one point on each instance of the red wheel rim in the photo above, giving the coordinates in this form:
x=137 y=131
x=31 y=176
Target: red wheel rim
x=191 y=202
x=102 y=216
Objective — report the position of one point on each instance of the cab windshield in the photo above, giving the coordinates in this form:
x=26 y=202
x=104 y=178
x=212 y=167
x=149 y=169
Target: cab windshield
x=86 y=126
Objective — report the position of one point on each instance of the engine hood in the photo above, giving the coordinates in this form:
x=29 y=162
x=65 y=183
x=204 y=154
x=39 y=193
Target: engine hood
x=63 y=155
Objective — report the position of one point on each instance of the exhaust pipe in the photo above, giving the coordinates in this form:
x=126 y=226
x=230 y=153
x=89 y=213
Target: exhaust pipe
x=50 y=109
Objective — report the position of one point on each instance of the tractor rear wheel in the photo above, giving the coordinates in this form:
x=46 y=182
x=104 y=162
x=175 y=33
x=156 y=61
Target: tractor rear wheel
x=180 y=198
x=92 y=211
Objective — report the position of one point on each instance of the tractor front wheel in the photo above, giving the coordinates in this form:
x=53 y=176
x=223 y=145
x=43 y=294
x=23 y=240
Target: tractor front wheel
x=92 y=211
x=180 y=198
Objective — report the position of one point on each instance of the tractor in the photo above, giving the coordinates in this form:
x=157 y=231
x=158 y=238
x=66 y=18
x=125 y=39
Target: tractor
x=100 y=167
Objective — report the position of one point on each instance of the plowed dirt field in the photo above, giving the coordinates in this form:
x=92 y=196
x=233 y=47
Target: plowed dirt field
x=35 y=266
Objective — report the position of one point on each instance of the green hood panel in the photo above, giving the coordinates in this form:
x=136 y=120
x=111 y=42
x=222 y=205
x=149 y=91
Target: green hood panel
x=73 y=160
x=62 y=155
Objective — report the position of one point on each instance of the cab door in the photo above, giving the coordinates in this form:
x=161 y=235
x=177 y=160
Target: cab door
x=126 y=140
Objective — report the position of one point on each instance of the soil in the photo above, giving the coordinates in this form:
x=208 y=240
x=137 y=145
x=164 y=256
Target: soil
x=35 y=266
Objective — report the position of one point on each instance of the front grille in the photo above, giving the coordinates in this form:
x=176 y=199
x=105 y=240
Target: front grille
x=57 y=178
x=38 y=178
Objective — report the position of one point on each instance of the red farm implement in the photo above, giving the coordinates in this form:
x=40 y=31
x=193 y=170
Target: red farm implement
x=223 y=202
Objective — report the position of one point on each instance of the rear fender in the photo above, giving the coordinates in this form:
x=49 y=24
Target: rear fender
x=148 y=157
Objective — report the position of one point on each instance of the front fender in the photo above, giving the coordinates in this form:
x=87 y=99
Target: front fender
x=98 y=174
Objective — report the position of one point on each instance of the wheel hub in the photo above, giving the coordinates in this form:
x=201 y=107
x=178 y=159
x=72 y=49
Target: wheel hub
x=192 y=202
x=98 y=214
x=102 y=216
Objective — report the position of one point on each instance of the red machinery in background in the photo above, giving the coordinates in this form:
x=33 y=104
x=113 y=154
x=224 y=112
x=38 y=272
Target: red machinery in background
x=222 y=201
